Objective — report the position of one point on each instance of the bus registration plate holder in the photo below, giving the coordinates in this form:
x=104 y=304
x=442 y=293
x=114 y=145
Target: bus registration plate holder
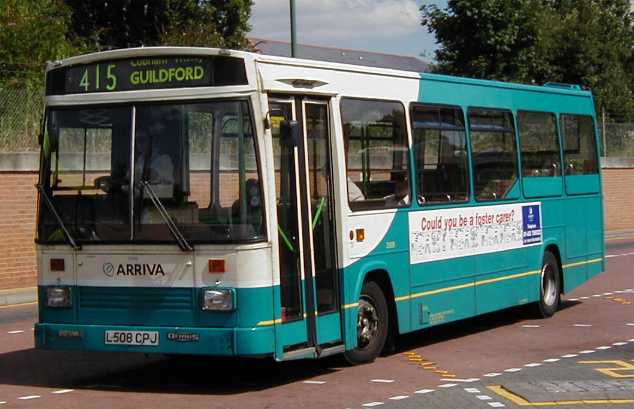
x=140 y=338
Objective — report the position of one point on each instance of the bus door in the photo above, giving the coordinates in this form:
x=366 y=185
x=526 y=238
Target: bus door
x=309 y=308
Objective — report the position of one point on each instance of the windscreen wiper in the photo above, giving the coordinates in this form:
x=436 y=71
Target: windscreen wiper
x=180 y=239
x=51 y=207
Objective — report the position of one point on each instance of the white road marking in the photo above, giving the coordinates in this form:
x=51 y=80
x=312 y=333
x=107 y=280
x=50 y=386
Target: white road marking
x=531 y=326
x=603 y=347
x=492 y=374
x=618 y=255
x=630 y=340
x=62 y=391
x=607 y=293
x=513 y=370
x=382 y=380
x=583 y=298
x=484 y=397
x=597 y=295
x=552 y=360
x=29 y=397
x=496 y=404
x=569 y=355
x=573 y=299
x=2 y=402
x=630 y=324
x=533 y=364
x=618 y=344
x=308 y=382
x=582 y=325
x=447 y=385
x=589 y=351
x=424 y=391
x=468 y=380
x=399 y=397
x=371 y=404
x=472 y=390
x=15 y=332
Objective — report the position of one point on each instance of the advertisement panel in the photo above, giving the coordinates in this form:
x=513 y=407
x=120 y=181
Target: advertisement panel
x=450 y=233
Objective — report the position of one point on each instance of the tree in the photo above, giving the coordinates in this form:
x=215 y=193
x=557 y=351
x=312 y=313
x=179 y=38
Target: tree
x=587 y=42
x=31 y=33
x=133 y=23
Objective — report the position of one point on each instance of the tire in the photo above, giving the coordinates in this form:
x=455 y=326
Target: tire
x=372 y=325
x=549 y=287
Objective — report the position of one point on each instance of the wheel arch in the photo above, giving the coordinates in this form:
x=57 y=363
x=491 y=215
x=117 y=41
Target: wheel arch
x=379 y=273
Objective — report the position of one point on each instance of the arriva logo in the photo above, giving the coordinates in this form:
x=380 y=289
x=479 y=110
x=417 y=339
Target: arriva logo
x=110 y=270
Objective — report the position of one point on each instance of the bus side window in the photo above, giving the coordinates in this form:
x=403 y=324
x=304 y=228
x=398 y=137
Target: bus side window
x=375 y=144
x=441 y=154
x=539 y=144
x=494 y=153
x=580 y=151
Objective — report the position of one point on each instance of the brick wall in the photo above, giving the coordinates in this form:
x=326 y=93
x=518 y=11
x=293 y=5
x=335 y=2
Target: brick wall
x=17 y=227
x=618 y=198
x=17 y=217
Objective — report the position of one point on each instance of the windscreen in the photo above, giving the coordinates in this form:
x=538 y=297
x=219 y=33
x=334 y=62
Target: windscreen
x=116 y=174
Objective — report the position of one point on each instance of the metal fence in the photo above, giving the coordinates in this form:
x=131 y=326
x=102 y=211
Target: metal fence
x=21 y=113
x=618 y=141
x=20 y=116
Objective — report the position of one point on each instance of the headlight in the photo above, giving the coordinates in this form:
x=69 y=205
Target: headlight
x=58 y=297
x=219 y=299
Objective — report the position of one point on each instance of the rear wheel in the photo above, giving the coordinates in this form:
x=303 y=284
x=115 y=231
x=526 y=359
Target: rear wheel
x=372 y=325
x=549 y=288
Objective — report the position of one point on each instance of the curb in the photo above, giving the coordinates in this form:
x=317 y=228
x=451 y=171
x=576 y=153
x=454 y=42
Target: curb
x=18 y=296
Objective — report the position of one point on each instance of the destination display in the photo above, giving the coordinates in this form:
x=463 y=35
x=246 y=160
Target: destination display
x=450 y=233
x=147 y=73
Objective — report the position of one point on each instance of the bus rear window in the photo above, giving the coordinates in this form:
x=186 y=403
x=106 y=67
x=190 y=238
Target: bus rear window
x=580 y=151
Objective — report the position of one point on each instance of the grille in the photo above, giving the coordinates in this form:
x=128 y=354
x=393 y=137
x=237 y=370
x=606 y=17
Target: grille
x=125 y=298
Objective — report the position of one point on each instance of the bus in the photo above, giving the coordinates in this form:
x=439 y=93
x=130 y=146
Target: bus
x=215 y=202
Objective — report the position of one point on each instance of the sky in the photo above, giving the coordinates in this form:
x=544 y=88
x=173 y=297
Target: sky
x=387 y=26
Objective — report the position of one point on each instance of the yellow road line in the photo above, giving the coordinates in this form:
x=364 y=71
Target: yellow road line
x=519 y=401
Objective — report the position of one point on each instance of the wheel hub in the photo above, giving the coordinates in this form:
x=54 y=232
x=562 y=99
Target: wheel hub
x=549 y=289
x=367 y=322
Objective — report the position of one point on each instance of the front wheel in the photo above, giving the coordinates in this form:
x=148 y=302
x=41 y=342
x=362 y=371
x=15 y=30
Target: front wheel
x=372 y=325
x=549 y=288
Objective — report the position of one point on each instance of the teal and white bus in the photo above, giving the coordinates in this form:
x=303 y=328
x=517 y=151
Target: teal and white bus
x=206 y=201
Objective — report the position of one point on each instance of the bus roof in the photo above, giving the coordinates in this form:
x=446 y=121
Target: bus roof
x=551 y=88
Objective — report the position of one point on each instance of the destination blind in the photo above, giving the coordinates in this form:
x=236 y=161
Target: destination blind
x=147 y=73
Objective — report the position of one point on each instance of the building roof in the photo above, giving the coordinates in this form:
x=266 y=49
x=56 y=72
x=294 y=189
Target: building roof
x=340 y=55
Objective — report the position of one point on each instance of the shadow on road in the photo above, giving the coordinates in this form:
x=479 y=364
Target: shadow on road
x=129 y=372
x=462 y=328
x=138 y=373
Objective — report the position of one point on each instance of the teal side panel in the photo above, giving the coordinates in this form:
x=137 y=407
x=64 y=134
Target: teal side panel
x=501 y=294
x=582 y=184
x=574 y=277
x=328 y=328
x=434 y=304
x=445 y=306
x=542 y=186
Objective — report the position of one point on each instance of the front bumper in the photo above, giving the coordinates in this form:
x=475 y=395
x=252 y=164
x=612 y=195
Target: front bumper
x=210 y=341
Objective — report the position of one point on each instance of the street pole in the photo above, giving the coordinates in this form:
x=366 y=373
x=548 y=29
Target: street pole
x=605 y=137
x=293 y=34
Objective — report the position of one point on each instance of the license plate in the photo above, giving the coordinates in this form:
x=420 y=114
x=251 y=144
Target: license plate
x=114 y=337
